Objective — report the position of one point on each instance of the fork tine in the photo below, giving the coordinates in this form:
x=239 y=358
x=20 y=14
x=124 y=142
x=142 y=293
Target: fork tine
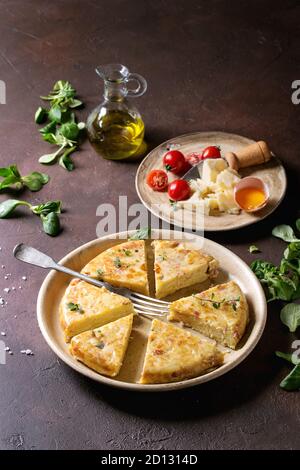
x=148 y=314
x=151 y=309
x=135 y=295
x=150 y=304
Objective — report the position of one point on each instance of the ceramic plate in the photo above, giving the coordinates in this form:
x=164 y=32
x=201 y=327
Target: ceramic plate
x=272 y=173
x=233 y=267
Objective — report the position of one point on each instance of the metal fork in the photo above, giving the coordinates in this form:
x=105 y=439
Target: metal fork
x=143 y=304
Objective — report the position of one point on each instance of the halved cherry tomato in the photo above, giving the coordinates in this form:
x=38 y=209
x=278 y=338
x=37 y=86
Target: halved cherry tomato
x=174 y=161
x=157 y=180
x=211 y=152
x=179 y=190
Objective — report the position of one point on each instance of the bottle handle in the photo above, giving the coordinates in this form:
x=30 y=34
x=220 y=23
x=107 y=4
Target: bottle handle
x=141 y=85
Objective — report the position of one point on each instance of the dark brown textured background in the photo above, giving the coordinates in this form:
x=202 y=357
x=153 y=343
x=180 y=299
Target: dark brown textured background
x=215 y=65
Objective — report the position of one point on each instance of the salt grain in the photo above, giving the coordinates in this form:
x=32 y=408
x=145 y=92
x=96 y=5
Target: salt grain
x=10 y=352
x=20 y=287
x=6 y=348
x=1 y=301
x=3 y=333
x=5 y=277
x=6 y=289
x=3 y=266
x=28 y=352
x=24 y=278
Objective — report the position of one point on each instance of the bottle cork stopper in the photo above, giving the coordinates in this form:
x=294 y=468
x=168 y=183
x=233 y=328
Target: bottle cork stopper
x=254 y=154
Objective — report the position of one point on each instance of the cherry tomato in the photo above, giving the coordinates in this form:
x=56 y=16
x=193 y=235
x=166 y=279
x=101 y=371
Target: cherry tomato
x=179 y=190
x=187 y=167
x=174 y=161
x=157 y=180
x=211 y=152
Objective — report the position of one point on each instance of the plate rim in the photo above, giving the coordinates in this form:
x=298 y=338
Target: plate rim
x=84 y=370
x=227 y=229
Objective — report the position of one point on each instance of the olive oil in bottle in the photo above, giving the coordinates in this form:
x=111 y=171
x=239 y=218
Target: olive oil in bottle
x=115 y=128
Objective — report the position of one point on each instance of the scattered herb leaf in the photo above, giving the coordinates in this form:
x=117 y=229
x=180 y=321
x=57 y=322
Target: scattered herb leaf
x=253 y=249
x=40 y=115
x=285 y=232
x=290 y=357
x=117 y=262
x=51 y=224
x=127 y=252
x=290 y=316
x=74 y=307
x=13 y=179
x=292 y=380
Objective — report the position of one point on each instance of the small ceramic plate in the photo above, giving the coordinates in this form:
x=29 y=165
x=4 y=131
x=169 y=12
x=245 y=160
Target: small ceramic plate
x=272 y=173
x=233 y=267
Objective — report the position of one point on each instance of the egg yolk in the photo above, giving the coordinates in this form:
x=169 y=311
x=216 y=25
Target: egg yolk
x=250 y=198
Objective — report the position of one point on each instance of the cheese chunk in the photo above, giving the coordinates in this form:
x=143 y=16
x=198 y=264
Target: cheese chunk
x=176 y=266
x=220 y=313
x=123 y=265
x=85 y=307
x=226 y=202
x=174 y=354
x=211 y=168
x=103 y=349
x=227 y=179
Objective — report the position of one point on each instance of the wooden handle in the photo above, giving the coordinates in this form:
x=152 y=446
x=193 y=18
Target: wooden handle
x=254 y=154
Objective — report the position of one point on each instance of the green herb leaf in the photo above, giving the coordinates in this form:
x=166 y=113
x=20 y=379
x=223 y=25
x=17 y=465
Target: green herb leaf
x=51 y=224
x=292 y=380
x=40 y=115
x=70 y=130
x=74 y=307
x=290 y=357
x=74 y=103
x=100 y=272
x=55 y=114
x=11 y=182
x=50 y=158
x=62 y=95
x=285 y=232
x=65 y=160
x=11 y=177
x=47 y=207
x=127 y=252
x=35 y=180
x=253 y=249
x=142 y=234
x=277 y=283
x=7 y=207
x=290 y=316
x=48 y=129
x=117 y=262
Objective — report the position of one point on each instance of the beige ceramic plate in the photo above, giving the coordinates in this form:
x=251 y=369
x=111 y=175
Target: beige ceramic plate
x=272 y=173
x=233 y=267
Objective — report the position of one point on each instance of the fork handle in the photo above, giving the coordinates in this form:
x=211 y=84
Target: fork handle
x=31 y=255
x=83 y=277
